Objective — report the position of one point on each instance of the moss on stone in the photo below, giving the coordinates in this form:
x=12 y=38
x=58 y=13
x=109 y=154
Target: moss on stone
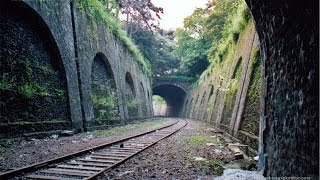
x=251 y=113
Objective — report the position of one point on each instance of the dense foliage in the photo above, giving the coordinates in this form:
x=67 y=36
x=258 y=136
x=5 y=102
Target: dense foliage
x=157 y=48
x=208 y=34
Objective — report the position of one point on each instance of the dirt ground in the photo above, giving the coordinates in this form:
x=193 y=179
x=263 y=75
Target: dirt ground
x=24 y=152
x=195 y=152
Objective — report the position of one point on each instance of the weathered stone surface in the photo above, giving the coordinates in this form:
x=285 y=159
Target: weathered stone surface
x=289 y=113
x=289 y=36
x=217 y=107
x=55 y=34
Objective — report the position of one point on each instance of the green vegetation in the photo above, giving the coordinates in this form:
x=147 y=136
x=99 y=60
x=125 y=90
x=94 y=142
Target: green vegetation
x=132 y=104
x=213 y=165
x=251 y=112
x=199 y=141
x=255 y=81
x=123 y=130
x=157 y=47
x=28 y=90
x=231 y=94
x=209 y=36
x=105 y=106
x=158 y=101
x=96 y=11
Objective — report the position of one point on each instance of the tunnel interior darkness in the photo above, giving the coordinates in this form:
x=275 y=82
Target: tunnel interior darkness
x=173 y=95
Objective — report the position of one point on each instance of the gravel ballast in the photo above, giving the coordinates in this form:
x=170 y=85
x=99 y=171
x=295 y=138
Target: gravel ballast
x=197 y=151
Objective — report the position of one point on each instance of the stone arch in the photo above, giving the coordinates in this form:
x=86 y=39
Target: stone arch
x=131 y=101
x=103 y=92
x=289 y=118
x=32 y=73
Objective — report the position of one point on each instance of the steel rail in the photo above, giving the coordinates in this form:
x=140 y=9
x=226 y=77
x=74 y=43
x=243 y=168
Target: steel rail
x=33 y=167
x=127 y=158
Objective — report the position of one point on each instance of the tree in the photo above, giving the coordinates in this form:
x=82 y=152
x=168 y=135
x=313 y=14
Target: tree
x=157 y=48
x=141 y=12
x=112 y=6
x=193 y=43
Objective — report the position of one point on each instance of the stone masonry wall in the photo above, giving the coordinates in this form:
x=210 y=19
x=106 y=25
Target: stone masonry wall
x=289 y=124
x=52 y=50
x=225 y=92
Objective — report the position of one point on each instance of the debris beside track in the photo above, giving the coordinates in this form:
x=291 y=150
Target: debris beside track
x=25 y=152
x=192 y=153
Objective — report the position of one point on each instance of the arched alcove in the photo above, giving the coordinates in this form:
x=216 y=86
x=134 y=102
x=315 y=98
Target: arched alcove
x=131 y=102
x=103 y=92
x=33 y=86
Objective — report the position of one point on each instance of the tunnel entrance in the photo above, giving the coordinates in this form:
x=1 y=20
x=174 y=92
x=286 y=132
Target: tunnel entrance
x=174 y=97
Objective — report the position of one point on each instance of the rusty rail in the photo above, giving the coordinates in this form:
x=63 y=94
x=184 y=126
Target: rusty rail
x=90 y=163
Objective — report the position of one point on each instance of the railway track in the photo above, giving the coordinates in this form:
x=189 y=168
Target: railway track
x=90 y=163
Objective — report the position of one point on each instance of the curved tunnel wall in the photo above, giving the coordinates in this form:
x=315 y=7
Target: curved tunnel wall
x=289 y=128
x=174 y=97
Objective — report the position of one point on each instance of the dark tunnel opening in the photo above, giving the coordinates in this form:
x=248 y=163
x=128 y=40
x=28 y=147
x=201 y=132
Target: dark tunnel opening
x=174 y=97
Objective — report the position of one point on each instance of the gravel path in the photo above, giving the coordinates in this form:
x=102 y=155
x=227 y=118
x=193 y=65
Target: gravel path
x=26 y=152
x=195 y=152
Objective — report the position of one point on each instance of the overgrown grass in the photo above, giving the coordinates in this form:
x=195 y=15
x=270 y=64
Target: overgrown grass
x=119 y=131
x=96 y=11
x=200 y=141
